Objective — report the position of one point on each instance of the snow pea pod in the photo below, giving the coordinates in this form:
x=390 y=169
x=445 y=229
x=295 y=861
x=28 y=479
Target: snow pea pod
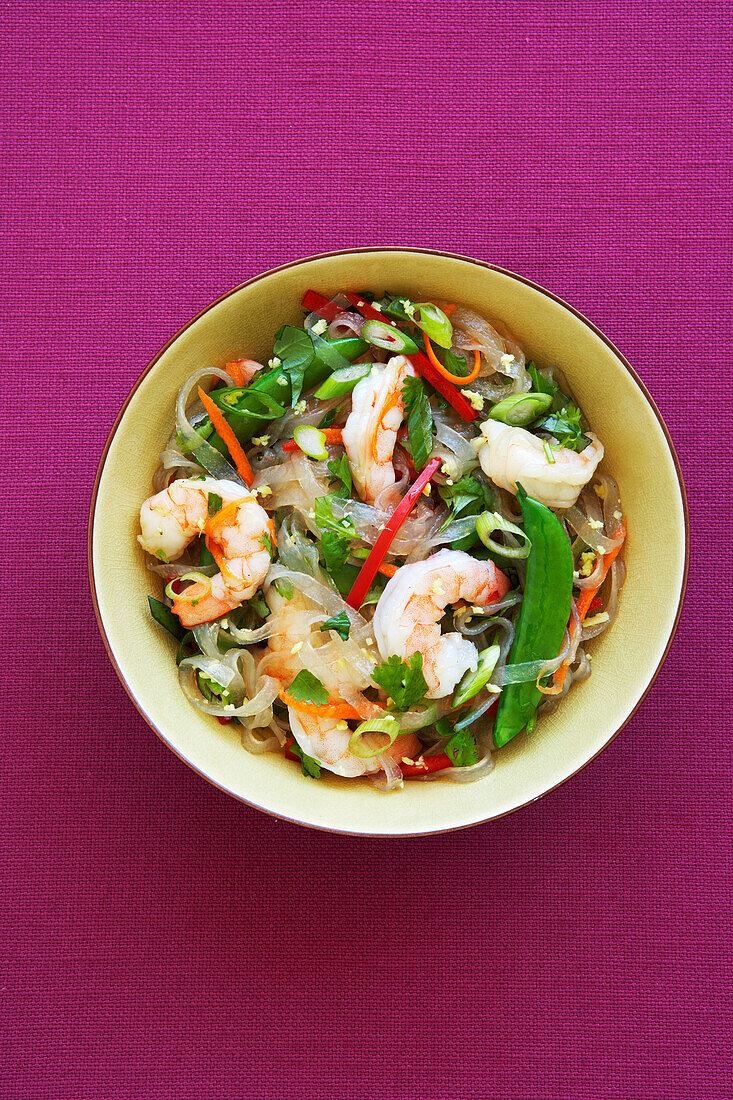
x=544 y=614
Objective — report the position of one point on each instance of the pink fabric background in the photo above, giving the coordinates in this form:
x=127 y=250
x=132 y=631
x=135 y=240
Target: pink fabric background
x=160 y=940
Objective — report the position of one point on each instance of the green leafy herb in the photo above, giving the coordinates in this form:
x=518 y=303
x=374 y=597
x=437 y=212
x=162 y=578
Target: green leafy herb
x=540 y=384
x=402 y=680
x=456 y=364
x=335 y=549
x=419 y=420
x=307 y=688
x=462 y=749
x=324 y=517
x=267 y=543
x=163 y=557
x=327 y=419
x=310 y=768
x=470 y=495
x=565 y=426
x=285 y=588
x=215 y=503
x=341 y=472
x=163 y=615
x=340 y=623
x=294 y=349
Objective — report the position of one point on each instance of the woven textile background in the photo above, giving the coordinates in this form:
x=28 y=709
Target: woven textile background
x=159 y=940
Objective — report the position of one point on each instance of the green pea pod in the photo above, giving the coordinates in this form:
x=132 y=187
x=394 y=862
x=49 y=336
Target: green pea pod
x=521 y=408
x=544 y=614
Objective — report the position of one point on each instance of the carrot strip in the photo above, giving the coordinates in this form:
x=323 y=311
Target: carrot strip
x=235 y=370
x=459 y=380
x=584 y=601
x=233 y=445
x=387 y=570
x=326 y=710
x=333 y=435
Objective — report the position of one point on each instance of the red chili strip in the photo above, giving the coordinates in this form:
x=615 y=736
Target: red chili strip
x=371 y=566
x=324 y=307
x=421 y=363
x=426 y=764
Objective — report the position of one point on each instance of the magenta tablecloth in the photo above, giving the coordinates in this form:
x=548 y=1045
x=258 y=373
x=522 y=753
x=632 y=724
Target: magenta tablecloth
x=161 y=940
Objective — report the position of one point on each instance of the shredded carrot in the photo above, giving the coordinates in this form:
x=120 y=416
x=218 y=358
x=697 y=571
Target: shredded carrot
x=234 y=446
x=333 y=435
x=327 y=710
x=584 y=601
x=448 y=308
x=455 y=378
x=387 y=570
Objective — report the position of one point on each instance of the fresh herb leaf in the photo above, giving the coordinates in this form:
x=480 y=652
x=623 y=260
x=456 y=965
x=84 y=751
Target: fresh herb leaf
x=340 y=623
x=163 y=556
x=402 y=680
x=335 y=549
x=267 y=543
x=205 y=555
x=455 y=364
x=163 y=615
x=310 y=768
x=285 y=589
x=327 y=419
x=307 y=688
x=324 y=517
x=294 y=349
x=540 y=384
x=419 y=420
x=212 y=690
x=215 y=503
x=565 y=426
x=341 y=472
x=462 y=749
x=471 y=495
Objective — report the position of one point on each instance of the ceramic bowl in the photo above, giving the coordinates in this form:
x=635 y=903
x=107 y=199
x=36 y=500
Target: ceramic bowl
x=626 y=659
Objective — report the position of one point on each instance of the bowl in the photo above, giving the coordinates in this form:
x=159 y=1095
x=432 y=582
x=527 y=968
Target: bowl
x=626 y=660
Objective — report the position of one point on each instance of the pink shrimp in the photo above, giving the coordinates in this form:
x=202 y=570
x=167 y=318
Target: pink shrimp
x=370 y=432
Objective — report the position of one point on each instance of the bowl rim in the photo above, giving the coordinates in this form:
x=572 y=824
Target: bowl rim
x=360 y=251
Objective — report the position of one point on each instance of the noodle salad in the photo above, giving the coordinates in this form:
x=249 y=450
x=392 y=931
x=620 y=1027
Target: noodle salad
x=384 y=551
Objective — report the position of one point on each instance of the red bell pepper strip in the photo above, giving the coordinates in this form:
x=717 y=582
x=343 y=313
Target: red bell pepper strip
x=595 y=604
x=422 y=364
x=324 y=307
x=371 y=566
x=426 y=764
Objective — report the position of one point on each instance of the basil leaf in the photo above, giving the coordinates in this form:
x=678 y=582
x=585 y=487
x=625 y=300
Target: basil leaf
x=294 y=349
x=419 y=421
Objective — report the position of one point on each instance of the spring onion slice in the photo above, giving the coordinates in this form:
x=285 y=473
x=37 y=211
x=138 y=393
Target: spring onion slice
x=434 y=323
x=521 y=408
x=198 y=578
x=472 y=682
x=342 y=381
x=488 y=522
x=388 y=727
x=311 y=441
x=387 y=336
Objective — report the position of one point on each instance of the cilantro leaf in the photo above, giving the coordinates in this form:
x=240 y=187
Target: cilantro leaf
x=340 y=623
x=307 y=688
x=336 y=550
x=294 y=348
x=419 y=420
x=341 y=472
x=309 y=767
x=462 y=749
x=267 y=543
x=324 y=517
x=215 y=503
x=402 y=680
x=565 y=426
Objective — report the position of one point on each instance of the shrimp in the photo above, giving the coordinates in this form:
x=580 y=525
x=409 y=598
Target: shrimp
x=236 y=536
x=327 y=741
x=407 y=618
x=512 y=454
x=370 y=432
